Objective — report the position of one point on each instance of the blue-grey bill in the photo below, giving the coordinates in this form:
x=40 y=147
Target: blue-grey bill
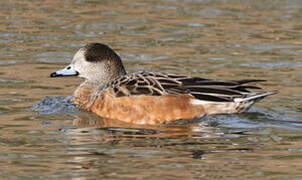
x=67 y=71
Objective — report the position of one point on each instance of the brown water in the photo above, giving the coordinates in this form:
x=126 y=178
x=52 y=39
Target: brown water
x=43 y=136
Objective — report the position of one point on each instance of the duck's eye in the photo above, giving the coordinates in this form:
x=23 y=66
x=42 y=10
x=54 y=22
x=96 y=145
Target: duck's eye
x=68 y=67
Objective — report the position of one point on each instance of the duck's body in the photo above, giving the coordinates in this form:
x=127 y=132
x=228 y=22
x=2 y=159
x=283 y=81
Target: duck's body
x=148 y=97
x=139 y=109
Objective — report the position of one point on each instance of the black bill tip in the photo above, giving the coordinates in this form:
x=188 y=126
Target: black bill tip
x=54 y=74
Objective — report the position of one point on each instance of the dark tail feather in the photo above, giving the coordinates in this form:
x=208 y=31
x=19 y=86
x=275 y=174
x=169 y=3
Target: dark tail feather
x=244 y=81
x=256 y=97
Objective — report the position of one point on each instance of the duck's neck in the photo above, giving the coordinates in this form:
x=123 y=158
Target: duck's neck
x=104 y=77
x=83 y=95
x=88 y=91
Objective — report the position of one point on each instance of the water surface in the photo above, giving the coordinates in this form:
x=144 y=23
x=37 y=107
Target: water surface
x=43 y=136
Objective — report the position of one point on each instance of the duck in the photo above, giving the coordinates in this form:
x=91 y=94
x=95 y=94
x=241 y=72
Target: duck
x=146 y=97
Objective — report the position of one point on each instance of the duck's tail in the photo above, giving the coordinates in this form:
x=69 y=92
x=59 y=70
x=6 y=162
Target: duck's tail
x=238 y=105
x=243 y=104
x=255 y=96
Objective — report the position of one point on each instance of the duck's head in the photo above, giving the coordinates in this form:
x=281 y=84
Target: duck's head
x=95 y=62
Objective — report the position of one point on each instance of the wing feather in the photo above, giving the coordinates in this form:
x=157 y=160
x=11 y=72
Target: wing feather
x=156 y=84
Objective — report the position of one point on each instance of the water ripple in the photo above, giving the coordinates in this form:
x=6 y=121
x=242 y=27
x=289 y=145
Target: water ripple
x=54 y=105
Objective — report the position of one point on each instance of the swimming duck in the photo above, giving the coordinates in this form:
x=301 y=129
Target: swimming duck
x=151 y=97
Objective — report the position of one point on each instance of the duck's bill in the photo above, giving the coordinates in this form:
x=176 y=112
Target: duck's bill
x=67 y=71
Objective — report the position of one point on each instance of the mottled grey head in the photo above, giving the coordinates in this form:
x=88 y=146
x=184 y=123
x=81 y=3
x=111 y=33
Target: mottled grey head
x=95 y=62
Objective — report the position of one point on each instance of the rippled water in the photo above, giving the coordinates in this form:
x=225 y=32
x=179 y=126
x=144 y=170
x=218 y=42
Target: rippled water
x=43 y=136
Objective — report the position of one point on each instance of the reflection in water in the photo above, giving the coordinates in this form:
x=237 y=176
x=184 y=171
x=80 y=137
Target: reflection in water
x=100 y=144
x=142 y=131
